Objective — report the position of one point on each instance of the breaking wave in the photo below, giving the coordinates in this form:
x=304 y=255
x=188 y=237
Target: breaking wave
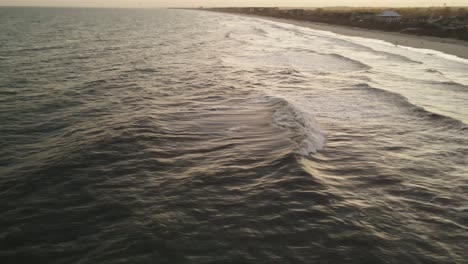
x=308 y=135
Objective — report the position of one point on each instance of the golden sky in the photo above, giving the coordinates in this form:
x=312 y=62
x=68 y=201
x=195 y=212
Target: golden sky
x=207 y=3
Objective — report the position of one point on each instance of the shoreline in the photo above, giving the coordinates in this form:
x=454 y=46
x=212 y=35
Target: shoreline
x=455 y=47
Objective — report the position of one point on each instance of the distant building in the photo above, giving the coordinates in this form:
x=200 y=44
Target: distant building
x=389 y=16
x=434 y=19
x=450 y=23
x=266 y=10
x=457 y=23
x=296 y=12
x=362 y=16
x=419 y=19
x=271 y=10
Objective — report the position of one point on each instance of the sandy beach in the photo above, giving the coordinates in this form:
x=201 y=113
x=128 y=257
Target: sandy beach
x=450 y=46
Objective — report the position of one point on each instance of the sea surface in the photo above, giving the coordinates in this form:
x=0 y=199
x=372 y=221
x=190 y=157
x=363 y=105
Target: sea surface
x=177 y=136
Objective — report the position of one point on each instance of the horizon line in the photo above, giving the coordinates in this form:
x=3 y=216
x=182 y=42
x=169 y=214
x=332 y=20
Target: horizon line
x=209 y=7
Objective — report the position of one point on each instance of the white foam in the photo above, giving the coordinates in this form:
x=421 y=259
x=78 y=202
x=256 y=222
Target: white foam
x=309 y=137
x=364 y=40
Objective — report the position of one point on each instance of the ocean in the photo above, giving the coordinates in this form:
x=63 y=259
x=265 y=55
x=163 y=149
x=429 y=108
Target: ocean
x=178 y=136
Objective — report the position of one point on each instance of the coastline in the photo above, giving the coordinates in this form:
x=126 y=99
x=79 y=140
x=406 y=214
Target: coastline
x=455 y=47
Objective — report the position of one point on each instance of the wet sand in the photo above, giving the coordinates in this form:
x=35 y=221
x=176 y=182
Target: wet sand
x=450 y=46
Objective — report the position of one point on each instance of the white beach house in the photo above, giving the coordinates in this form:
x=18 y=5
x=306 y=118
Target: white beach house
x=389 y=16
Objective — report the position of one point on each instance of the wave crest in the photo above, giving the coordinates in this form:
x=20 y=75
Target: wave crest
x=308 y=135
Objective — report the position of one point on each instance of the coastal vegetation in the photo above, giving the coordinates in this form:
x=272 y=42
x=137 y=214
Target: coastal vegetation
x=444 y=22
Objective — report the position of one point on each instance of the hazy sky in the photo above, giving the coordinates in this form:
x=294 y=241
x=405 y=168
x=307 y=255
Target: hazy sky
x=193 y=3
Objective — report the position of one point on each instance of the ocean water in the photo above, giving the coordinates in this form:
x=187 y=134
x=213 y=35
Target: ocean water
x=172 y=136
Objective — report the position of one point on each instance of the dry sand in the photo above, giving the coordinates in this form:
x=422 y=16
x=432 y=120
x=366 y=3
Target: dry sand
x=450 y=46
